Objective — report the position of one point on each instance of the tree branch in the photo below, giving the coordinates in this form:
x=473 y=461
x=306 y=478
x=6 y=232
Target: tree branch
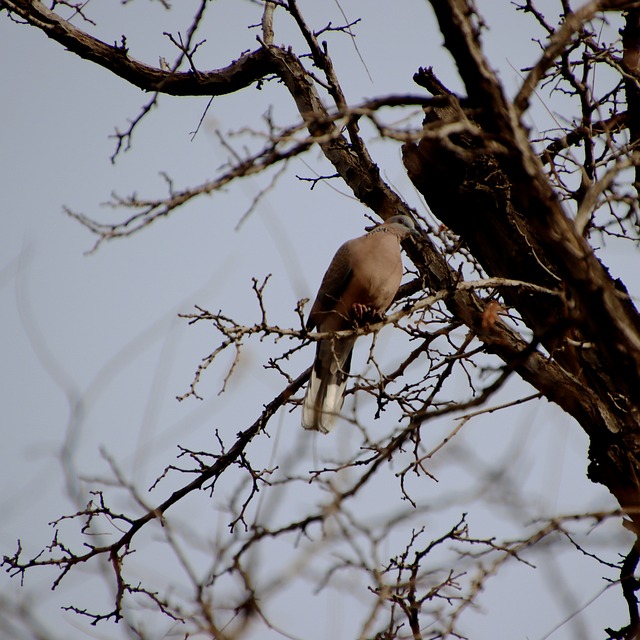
x=249 y=68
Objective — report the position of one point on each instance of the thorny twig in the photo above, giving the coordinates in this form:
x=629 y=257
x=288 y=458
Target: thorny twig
x=235 y=334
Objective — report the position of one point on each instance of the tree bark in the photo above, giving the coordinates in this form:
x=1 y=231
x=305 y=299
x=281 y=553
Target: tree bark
x=249 y=68
x=483 y=180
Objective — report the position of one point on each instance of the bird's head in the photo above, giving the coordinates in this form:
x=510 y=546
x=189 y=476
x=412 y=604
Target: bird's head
x=401 y=225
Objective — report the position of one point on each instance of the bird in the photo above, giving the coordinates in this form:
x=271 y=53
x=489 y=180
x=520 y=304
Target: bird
x=357 y=289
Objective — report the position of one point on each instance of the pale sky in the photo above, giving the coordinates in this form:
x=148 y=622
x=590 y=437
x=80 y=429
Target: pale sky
x=94 y=354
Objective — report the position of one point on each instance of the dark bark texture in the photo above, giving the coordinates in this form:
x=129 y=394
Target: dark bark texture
x=485 y=183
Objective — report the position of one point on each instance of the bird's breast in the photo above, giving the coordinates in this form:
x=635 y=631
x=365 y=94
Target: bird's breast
x=377 y=276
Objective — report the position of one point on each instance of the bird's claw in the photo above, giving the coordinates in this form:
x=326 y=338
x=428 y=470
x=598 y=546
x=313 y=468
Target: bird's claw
x=364 y=314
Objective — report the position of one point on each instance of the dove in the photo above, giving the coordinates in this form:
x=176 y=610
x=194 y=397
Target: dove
x=358 y=287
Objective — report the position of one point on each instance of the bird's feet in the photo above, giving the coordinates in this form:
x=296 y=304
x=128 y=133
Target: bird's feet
x=363 y=314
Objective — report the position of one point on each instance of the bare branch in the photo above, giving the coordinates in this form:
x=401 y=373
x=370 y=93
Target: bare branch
x=243 y=72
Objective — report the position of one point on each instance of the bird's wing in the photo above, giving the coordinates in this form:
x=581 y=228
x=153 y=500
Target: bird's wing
x=334 y=284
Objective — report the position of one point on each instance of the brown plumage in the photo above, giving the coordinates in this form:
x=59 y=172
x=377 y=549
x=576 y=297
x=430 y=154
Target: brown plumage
x=358 y=287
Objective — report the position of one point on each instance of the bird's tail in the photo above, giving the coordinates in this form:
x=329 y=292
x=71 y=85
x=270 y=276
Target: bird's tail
x=325 y=391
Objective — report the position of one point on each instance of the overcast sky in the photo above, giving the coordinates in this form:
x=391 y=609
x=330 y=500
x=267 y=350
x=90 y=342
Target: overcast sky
x=94 y=355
